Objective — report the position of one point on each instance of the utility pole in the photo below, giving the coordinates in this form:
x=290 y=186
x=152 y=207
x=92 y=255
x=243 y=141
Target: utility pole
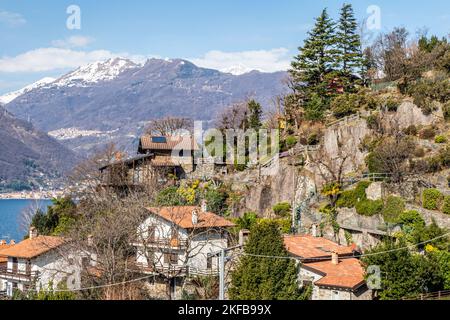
x=222 y=254
x=222 y=275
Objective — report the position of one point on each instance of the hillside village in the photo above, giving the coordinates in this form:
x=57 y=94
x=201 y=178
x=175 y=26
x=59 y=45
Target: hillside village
x=351 y=203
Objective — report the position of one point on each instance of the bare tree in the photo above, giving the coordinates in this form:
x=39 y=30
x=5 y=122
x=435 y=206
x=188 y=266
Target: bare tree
x=233 y=117
x=169 y=126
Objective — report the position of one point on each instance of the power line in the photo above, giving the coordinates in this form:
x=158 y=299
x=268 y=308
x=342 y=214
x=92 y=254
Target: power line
x=258 y=256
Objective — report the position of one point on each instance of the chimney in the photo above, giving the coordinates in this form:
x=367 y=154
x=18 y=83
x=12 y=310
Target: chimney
x=194 y=217
x=314 y=232
x=243 y=236
x=33 y=233
x=204 y=206
x=335 y=258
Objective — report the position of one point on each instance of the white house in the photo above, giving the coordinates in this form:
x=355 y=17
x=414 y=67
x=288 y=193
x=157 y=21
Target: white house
x=37 y=263
x=178 y=242
x=329 y=268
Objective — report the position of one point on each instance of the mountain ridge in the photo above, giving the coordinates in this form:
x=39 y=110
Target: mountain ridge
x=93 y=99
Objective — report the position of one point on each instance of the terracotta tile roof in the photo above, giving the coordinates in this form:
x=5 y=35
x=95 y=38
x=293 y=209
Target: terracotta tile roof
x=31 y=248
x=308 y=247
x=172 y=143
x=4 y=246
x=348 y=274
x=182 y=216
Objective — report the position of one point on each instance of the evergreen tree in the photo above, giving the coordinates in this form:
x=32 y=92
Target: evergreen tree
x=255 y=115
x=348 y=43
x=317 y=57
x=262 y=278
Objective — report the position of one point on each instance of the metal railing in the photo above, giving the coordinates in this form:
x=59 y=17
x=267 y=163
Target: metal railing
x=178 y=270
x=440 y=295
x=345 y=120
x=163 y=243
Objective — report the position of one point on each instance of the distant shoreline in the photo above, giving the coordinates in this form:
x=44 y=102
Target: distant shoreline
x=32 y=195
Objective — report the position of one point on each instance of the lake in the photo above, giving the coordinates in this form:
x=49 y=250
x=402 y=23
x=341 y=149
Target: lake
x=12 y=222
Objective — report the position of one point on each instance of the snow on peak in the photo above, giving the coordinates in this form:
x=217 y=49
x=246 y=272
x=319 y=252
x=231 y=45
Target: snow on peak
x=237 y=70
x=97 y=71
x=9 y=97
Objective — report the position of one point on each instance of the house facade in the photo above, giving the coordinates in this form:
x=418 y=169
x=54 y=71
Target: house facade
x=331 y=269
x=178 y=243
x=37 y=264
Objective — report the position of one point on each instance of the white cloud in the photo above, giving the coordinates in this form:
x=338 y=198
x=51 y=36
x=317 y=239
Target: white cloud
x=244 y=61
x=12 y=19
x=73 y=42
x=48 y=59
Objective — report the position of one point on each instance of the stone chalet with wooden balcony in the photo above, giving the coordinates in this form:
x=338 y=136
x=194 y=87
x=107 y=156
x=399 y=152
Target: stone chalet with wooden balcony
x=158 y=158
x=36 y=263
x=331 y=269
x=176 y=243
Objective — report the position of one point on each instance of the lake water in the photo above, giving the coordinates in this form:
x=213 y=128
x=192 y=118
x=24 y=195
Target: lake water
x=12 y=223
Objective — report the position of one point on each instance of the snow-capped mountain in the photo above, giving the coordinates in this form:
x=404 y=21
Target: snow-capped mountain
x=7 y=98
x=237 y=70
x=112 y=101
x=95 y=72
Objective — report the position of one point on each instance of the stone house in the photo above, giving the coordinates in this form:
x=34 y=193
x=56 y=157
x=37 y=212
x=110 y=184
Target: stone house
x=329 y=268
x=178 y=243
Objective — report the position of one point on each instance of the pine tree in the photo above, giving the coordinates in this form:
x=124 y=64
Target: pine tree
x=262 y=278
x=255 y=114
x=348 y=43
x=317 y=57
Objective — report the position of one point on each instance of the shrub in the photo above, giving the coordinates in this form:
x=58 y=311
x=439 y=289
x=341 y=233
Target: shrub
x=411 y=130
x=373 y=122
x=369 y=207
x=431 y=199
x=393 y=208
x=419 y=152
x=446 y=205
x=427 y=133
x=434 y=164
x=350 y=198
x=344 y=105
x=291 y=141
x=444 y=157
x=282 y=209
x=313 y=139
x=170 y=197
x=391 y=104
x=440 y=139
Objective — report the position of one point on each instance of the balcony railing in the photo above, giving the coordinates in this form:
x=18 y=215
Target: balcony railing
x=175 y=270
x=173 y=243
x=19 y=275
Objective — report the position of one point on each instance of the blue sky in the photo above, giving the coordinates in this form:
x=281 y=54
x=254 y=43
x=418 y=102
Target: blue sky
x=35 y=41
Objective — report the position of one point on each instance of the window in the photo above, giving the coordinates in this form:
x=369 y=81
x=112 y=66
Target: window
x=171 y=258
x=15 y=264
x=151 y=233
x=209 y=262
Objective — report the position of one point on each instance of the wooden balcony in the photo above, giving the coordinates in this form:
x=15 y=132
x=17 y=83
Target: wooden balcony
x=17 y=275
x=173 y=243
x=174 y=270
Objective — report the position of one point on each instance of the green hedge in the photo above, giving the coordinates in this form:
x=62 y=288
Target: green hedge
x=446 y=205
x=369 y=207
x=393 y=208
x=349 y=198
x=431 y=199
x=282 y=209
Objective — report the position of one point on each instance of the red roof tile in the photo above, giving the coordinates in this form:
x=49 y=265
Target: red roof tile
x=308 y=247
x=182 y=216
x=31 y=248
x=348 y=274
